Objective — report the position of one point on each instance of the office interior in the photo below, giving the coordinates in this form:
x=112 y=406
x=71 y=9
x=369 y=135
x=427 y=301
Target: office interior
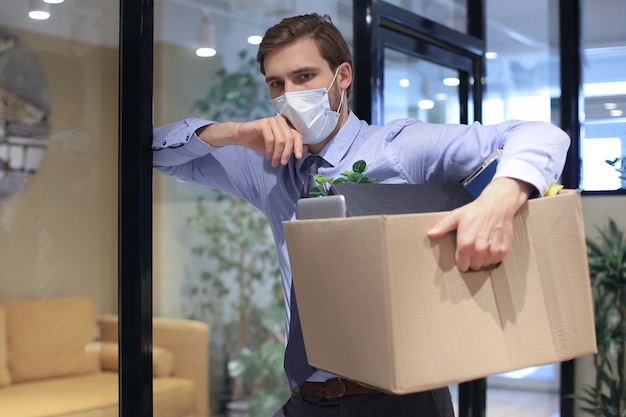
x=61 y=159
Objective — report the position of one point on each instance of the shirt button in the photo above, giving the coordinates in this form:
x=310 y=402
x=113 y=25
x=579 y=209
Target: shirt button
x=164 y=143
x=187 y=138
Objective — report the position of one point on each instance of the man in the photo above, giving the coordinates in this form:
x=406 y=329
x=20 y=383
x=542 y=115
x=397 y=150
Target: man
x=308 y=69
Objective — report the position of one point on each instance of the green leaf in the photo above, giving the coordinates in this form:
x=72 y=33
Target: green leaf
x=318 y=192
x=359 y=166
x=355 y=177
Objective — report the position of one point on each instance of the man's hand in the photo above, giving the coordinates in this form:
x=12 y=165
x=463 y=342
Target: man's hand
x=273 y=136
x=484 y=227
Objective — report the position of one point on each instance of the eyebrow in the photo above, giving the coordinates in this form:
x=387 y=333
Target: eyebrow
x=302 y=70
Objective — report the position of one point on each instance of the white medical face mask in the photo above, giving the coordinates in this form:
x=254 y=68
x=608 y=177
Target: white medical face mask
x=309 y=112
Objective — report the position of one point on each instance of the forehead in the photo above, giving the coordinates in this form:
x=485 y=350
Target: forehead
x=301 y=53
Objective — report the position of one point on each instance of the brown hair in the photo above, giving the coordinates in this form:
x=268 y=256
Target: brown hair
x=332 y=45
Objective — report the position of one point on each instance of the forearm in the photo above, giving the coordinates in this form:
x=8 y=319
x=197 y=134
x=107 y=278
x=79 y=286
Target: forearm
x=535 y=153
x=218 y=134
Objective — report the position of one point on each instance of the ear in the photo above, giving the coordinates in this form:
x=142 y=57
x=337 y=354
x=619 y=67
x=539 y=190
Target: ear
x=344 y=76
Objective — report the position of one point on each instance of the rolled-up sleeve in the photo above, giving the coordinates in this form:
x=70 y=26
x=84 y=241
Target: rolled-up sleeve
x=533 y=152
x=177 y=143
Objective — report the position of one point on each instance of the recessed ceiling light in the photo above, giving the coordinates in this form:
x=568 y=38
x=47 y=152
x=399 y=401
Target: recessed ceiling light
x=206 y=52
x=491 y=55
x=451 y=82
x=616 y=113
x=54 y=1
x=38 y=15
x=610 y=106
x=404 y=82
x=255 y=39
x=426 y=104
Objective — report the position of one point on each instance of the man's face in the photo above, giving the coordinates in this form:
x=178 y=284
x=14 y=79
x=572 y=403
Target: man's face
x=297 y=67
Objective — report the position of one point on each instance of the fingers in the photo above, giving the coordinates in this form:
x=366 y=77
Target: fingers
x=273 y=136
x=482 y=251
x=482 y=240
x=446 y=225
x=280 y=140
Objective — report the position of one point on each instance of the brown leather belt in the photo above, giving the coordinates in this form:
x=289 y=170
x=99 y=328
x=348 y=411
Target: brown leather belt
x=334 y=388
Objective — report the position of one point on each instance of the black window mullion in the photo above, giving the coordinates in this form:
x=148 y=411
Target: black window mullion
x=135 y=208
x=570 y=49
x=570 y=45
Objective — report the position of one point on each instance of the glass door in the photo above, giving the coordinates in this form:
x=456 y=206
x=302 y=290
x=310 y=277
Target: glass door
x=408 y=65
x=414 y=67
x=418 y=88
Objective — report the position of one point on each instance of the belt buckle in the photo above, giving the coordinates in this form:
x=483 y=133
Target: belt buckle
x=342 y=389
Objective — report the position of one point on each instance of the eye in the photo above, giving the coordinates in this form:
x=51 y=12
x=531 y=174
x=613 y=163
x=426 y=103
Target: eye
x=306 y=76
x=276 y=84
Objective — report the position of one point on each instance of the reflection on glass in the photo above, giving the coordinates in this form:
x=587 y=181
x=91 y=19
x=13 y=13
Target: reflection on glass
x=451 y=13
x=522 y=83
x=215 y=260
x=419 y=89
x=24 y=111
x=58 y=262
x=603 y=147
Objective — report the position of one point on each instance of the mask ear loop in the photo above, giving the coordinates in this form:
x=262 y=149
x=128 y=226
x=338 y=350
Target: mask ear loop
x=333 y=81
x=340 y=102
x=331 y=85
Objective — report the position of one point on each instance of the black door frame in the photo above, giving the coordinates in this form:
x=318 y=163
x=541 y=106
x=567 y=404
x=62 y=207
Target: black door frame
x=378 y=25
x=135 y=208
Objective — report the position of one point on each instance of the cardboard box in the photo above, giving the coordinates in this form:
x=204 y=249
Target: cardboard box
x=384 y=305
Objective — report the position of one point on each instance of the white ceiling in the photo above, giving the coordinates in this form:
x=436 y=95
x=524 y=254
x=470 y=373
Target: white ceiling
x=519 y=27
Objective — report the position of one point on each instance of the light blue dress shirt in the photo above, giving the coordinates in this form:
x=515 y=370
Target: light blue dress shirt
x=402 y=151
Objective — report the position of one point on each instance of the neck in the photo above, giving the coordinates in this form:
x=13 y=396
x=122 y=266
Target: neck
x=343 y=117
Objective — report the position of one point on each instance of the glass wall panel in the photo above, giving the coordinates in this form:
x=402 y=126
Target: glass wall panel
x=58 y=206
x=419 y=89
x=522 y=83
x=451 y=13
x=603 y=146
x=194 y=226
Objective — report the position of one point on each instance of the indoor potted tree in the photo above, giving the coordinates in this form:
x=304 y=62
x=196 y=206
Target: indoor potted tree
x=239 y=292
x=607 y=266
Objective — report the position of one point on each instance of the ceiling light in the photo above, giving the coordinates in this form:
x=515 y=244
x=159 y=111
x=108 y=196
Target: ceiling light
x=54 y=1
x=426 y=104
x=404 y=82
x=610 y=106
x=451 y=81
x=39 y=10
x=616 y=113
x=491 y=55
x=206 y=39
x=206 y=52
x=255 y=39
